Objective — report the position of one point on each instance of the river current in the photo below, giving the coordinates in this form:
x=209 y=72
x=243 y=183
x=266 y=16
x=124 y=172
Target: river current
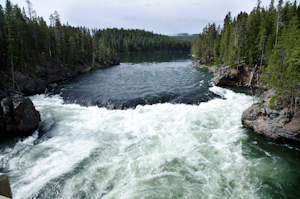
x=153 y=127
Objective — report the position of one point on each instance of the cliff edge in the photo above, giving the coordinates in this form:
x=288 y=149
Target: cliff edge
x=240 y=76
x=277 y=123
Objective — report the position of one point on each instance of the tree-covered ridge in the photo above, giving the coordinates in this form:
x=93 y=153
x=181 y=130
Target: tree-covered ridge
x=268 y=38
x=134 y=41
x=26 y=38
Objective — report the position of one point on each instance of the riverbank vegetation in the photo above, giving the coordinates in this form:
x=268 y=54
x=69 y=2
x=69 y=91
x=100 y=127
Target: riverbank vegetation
x=267 y=39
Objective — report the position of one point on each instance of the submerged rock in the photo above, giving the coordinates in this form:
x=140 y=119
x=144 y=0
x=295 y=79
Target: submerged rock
x=277 y=124
x=18 y=116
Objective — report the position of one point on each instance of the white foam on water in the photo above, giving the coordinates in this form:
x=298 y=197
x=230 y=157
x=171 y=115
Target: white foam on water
x=157 y=151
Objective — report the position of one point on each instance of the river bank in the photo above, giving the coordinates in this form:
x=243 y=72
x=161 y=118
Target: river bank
x=239 y=76
x=35 y=77
x=277 y=122
x=18 y=116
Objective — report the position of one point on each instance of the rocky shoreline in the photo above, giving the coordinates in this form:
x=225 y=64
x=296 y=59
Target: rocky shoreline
x=277 y=123
x=18 y=115
x=240 y=76
x=35 y=79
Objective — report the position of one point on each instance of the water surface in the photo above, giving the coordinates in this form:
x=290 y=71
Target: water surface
x=98 y=139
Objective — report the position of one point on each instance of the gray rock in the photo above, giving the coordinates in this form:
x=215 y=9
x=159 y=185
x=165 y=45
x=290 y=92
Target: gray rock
x=6 y=105
x=35 y=86
x=225 y=76
x=238 y=76
x=5 y=190
x=269 y=122
x=212 y=69
x=272 y=114
x=18 y=116
x=2 y=95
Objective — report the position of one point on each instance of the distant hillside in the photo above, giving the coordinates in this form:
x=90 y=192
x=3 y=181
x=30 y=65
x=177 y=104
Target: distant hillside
x=137 y=41
x=185 y=37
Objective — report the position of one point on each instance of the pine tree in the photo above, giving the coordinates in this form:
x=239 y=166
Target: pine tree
x=2 y=38
x=11 y=40
x=278 y=19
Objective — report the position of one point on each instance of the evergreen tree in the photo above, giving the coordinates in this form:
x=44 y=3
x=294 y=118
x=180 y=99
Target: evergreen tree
x=2 y=38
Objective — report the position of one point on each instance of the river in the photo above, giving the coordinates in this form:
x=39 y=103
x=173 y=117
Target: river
x=152 y=127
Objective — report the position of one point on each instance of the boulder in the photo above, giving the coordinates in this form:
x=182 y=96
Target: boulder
x=277 y=124
x=34 y=86
x=18 y=116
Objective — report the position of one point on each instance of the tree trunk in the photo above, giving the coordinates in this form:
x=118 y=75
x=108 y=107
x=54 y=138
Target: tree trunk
x=292 y=98
x=11 y=62
x=12 y=70
x=278 y=18
x=277 y=29
x=262 y=56
x=50 y=51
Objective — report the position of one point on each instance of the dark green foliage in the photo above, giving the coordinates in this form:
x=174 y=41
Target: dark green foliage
x=246 y=37
x=268 y=37
x=207 y=44
x=283 y=71
x=134 y=41
x=26 y=39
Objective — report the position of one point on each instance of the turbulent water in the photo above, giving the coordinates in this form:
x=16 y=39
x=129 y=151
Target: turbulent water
x=97 y=139
x=129 y=85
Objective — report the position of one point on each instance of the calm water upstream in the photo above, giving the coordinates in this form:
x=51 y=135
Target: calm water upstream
x=152 y=127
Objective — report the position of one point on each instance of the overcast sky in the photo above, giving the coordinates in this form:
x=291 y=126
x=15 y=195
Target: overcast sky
x=160 y=16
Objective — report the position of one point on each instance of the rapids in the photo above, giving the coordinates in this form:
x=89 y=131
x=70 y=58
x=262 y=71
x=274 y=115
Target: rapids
x=188 y=142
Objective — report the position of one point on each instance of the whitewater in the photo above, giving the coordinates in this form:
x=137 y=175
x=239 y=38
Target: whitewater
x=161 y=150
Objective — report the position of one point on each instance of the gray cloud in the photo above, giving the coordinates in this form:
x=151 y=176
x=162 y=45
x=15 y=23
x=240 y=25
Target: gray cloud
x=159 y=16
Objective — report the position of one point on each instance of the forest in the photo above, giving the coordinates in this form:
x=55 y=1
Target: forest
x=137 y=41
x=26 y=38
x=267 y=38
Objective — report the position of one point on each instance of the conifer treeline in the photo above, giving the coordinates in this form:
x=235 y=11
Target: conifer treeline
x=245 y=37
x=134 y=41
x=268 y=37
x=25 y=37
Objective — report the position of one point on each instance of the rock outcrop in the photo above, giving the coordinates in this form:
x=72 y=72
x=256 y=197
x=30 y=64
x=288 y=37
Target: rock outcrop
x=275 y=122
x=278 y=124
x=34 y=80
x=238 y=76
x=18 y=116
x=225 y=76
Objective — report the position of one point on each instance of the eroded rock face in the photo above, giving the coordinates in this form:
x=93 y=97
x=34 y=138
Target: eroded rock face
x=228 y=76
x=225 y=77
x=35 y=80
x=277 y=124
x=18 y=116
